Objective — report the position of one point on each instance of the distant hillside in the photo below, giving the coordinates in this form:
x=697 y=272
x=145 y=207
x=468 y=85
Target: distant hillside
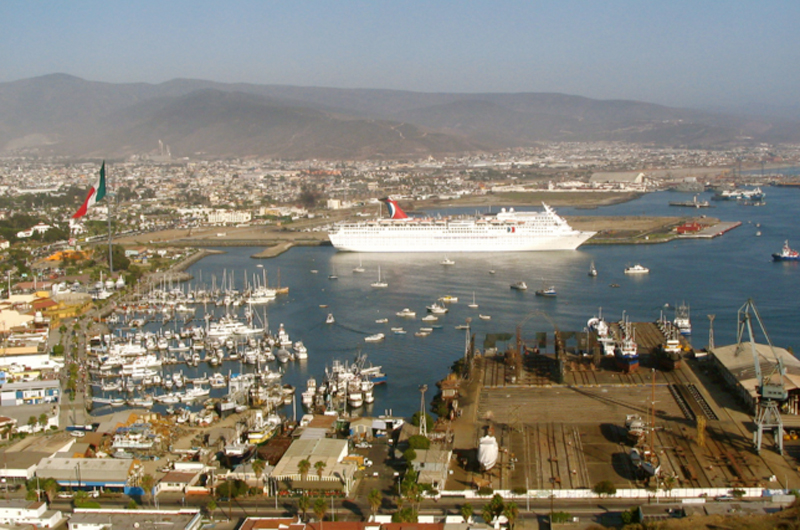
x=62 y=114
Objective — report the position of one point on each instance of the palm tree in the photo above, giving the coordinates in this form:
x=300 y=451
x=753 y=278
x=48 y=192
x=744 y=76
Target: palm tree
x=303 y=504
x=466 y=511
x=320 y=467
x=50 y=487
x=258 y=466
x=487 y=513
x=211 y=507
x=43 y=420
x=511 y=511
x=147 y=482
x=375 y=500
x=303 y=466
x=320 y=509
x=80 y=497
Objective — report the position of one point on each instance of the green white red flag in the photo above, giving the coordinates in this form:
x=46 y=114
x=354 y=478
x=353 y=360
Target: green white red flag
x=96 y=193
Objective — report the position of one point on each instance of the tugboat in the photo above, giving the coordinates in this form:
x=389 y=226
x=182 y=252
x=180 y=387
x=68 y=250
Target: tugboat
x=786 y=254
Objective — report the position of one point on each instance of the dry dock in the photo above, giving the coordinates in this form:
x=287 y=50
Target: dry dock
x=570 y=435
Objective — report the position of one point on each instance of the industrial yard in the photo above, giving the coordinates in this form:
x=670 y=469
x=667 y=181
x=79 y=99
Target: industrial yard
x=561 y=437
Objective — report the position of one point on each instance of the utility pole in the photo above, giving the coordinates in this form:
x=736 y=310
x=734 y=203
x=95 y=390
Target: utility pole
x=423 y=418
x=711 y=332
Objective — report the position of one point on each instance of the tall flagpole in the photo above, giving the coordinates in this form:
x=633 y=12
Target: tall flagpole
x=110 y=201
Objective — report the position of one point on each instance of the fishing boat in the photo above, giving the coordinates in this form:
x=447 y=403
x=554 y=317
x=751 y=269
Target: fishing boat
x=786 y=253
x=437 y=309
x=682 y=320
x=547 y=291
x=669 y=355
x=636 y=269
x=519 y=286
x=626 y=355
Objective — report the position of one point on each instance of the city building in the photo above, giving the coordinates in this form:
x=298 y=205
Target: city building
x=107 y=473
x=21 y=512
x=114 y=519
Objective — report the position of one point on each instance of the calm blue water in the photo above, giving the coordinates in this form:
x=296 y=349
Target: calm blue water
x=713 y=276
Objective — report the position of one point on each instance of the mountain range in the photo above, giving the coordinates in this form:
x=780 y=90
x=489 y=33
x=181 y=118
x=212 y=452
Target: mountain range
x=59 y=114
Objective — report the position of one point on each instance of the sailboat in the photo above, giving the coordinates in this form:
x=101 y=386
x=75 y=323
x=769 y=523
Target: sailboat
x=360 y=267
x=379 y=284
x=473 y=305
x=592 y=270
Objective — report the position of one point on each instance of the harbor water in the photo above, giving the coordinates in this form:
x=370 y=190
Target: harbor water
x=713 y=276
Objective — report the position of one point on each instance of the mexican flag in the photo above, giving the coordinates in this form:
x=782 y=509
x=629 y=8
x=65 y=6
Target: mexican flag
x=96 y=193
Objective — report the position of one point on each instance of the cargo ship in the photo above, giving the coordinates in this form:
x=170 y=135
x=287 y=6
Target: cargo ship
x=506 y=231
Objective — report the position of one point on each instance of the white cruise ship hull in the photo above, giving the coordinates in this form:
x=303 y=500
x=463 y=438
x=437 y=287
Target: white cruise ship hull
x=506 y=232
x=420 y=242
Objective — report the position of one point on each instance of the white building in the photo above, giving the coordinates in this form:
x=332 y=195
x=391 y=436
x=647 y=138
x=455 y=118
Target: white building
x=34 y=513
x=117 y=519
x=224 y=217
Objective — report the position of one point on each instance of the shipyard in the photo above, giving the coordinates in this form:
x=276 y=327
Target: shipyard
x=700 y=429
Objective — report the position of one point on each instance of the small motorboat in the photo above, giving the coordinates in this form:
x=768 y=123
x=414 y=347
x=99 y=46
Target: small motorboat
x=637 y=269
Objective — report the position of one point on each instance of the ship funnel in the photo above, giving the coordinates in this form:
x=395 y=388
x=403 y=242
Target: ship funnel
x=394 y=209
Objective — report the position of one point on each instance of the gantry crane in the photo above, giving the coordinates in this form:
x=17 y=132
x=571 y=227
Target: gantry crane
x=770 y=386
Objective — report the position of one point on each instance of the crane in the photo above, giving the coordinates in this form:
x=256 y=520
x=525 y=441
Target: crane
x=770 y=386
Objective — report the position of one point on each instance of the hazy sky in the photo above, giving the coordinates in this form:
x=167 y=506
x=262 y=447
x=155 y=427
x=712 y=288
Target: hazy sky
x=675 y=52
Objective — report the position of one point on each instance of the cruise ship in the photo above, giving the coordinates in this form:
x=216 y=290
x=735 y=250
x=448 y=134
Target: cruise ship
x=507 y=231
